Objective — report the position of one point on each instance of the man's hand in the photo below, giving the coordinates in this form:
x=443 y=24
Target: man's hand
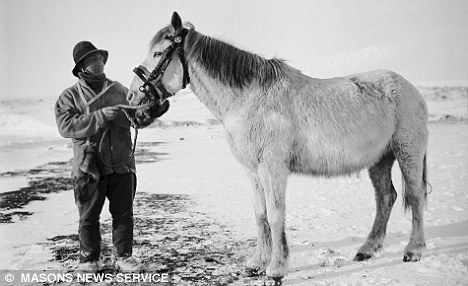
x=110 y=112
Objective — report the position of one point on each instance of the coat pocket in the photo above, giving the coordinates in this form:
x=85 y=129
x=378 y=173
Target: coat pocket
x=87 y=179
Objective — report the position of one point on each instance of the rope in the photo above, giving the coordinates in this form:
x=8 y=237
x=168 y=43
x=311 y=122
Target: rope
x=102 y=144
x=143 y=106
x=104 y=136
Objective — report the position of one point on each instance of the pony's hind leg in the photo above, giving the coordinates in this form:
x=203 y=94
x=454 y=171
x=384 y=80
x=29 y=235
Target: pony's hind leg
x=257 y=263
x=385 y=196
x=410 y=146
x=413 y=170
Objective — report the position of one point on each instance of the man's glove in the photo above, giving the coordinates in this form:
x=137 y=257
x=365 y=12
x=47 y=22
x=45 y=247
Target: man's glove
x=157 y=110
x=110 y=112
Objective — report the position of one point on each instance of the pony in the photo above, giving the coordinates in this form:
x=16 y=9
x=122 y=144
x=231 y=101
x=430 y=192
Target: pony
x=279 y=121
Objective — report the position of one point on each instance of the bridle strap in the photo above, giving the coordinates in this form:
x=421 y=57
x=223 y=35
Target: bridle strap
x=140 y=72
x=183 y=60
x=153 y=79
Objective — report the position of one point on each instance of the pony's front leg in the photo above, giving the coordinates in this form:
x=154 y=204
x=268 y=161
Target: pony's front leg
x=273 y=176
x=258 y=263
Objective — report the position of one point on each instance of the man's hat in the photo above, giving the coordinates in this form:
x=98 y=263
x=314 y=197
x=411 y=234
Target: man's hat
x=81 y=50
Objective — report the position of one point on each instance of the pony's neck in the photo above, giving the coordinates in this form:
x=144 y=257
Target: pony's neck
x=222 y=75
x=219 y=98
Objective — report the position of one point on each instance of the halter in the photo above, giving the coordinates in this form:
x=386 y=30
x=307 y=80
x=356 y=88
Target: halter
x=152 y=82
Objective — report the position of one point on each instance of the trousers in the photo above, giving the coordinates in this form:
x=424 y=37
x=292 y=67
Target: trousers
x=120 y=191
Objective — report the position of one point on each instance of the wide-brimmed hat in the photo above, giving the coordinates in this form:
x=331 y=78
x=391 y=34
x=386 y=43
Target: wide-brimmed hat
x=83 y=49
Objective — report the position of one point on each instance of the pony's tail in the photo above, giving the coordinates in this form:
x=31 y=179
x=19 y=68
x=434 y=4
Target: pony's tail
x=408 y=197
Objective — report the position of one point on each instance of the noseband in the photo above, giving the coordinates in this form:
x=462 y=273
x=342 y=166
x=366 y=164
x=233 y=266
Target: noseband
x=152 y=82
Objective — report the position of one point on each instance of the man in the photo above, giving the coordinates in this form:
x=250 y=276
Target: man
x=103 y=163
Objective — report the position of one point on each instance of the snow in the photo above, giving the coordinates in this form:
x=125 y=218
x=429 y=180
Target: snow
x=27 y=121
x=327 y=219
x=22 y=243
x=28 y=135
x=25 y=156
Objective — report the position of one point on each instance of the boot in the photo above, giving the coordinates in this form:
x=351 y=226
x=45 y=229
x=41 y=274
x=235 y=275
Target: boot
x=90 y=266
x=128 y=264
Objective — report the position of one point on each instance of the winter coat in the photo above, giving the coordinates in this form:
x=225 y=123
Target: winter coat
x=79 y=116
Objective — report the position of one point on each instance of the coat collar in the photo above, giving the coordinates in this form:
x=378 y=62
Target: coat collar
x=88 y=92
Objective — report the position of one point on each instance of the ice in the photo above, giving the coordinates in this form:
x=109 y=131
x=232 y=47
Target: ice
x=27 y=121
x=24 y=129
x=12 y=183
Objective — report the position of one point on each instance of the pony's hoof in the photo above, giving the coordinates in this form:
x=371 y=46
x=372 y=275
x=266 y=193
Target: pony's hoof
x=362 y=256
x=411 y=257
x=254 y=272
x=276 y=273
x=256 y=265
x=277 y=280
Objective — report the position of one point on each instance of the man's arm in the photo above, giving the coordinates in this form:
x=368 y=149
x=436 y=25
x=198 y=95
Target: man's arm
x=71 y=123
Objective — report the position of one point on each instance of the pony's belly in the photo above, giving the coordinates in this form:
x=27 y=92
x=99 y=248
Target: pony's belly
x=333 y=164
x=332 y=159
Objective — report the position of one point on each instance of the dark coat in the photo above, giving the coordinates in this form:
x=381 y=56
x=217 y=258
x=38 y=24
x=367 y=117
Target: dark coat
x=74 y=121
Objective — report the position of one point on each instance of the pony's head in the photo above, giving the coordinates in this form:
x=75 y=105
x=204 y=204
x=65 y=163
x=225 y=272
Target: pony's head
x=162 y=74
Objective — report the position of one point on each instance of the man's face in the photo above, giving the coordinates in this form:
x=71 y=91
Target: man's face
x=94 y=63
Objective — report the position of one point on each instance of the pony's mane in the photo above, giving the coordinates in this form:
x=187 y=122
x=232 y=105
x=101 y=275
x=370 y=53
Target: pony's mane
x=230 y=65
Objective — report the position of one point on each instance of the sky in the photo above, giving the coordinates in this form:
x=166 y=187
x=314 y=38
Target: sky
x=424 y=41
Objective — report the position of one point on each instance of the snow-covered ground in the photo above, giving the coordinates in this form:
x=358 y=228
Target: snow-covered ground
x=327 y=219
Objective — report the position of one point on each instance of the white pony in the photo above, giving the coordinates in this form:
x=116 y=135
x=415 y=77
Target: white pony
x=279 y=121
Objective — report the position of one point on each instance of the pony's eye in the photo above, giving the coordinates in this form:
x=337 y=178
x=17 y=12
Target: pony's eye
x=157 y=54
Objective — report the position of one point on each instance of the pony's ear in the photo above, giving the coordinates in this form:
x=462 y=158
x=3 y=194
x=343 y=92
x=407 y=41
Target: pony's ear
x=176 y=22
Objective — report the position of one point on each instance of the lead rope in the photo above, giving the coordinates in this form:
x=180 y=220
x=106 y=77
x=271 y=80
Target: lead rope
x=102 y=144
x=106 y=132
